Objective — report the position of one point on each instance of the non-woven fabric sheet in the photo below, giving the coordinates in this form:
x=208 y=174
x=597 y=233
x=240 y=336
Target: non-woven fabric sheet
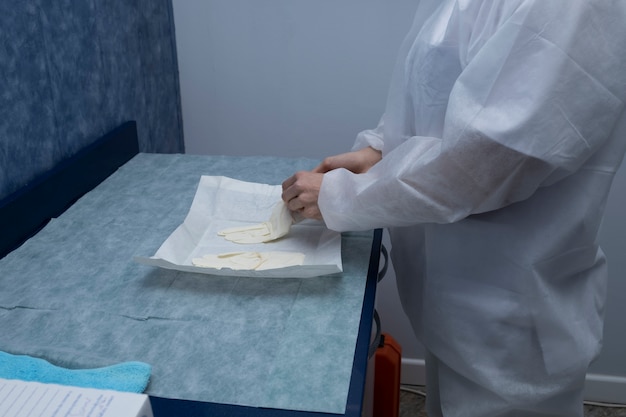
x=73 y=295
x=221 y=203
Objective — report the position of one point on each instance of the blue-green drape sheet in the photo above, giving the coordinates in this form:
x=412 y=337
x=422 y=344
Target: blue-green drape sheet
x=73 y=296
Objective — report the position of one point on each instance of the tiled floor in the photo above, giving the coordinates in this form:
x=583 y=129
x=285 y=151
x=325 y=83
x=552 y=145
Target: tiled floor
x=412 y=405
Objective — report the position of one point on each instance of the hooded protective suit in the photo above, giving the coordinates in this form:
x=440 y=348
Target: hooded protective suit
x=503 y=130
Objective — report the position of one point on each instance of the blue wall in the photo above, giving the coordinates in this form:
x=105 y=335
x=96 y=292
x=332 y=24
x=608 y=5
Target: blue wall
x=72 y=70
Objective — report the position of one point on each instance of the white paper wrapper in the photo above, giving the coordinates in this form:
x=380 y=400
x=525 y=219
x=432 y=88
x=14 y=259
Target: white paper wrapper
x=221 y=203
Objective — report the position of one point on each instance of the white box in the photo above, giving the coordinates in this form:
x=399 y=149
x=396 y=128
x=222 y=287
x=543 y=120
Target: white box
x=26 y=399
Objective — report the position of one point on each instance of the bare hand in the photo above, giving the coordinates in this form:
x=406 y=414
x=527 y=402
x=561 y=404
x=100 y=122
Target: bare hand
x=358 y=162
x=300 y=193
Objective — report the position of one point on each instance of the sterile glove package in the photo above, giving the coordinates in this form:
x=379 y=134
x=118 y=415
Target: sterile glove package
x=238 y=228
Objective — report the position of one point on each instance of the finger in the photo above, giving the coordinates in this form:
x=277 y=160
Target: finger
x=295 y=204
x=290 y=189
x=287 y=196
x=289 y=182
x=328 y=164
x=320 y=169
x=290 y=194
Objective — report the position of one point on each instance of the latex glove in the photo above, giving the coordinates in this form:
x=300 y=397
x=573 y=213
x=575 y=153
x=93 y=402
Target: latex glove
x=276 y=227
x=258 y=261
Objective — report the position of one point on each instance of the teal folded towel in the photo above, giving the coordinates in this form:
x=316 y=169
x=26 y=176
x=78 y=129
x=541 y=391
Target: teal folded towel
x=126 y=376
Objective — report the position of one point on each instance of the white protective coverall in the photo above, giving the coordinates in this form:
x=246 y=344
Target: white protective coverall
x=503 y=130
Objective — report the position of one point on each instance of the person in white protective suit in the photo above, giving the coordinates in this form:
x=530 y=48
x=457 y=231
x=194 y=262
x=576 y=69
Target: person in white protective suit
x=491 y=167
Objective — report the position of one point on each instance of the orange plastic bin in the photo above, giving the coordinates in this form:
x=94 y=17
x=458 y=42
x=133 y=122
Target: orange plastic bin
x=387 y=377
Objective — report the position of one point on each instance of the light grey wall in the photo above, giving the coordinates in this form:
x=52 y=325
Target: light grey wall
x=285 y=77
x=301 y=78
